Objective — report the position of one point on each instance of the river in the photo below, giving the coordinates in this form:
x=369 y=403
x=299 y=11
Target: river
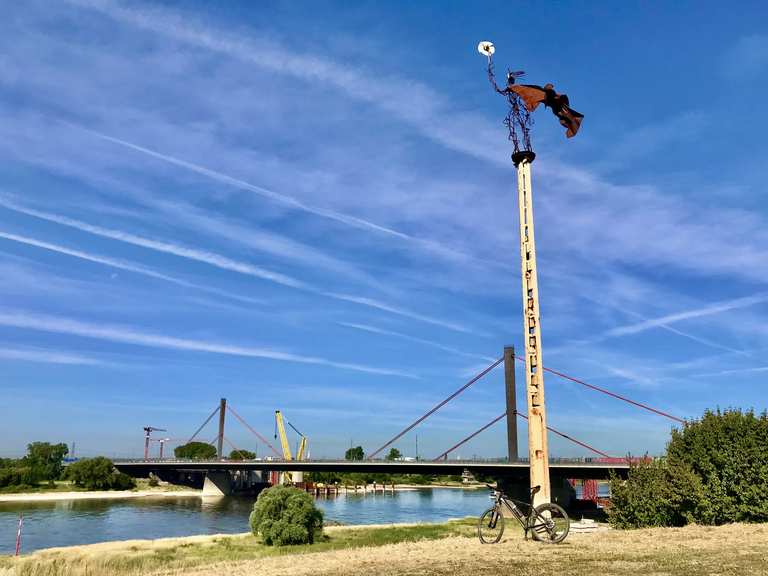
x=73 y=522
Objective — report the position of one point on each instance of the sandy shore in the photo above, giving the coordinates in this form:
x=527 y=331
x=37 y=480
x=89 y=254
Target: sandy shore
x=97 y=495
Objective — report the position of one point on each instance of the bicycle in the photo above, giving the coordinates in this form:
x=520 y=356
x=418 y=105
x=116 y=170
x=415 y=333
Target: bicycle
x=546 y=522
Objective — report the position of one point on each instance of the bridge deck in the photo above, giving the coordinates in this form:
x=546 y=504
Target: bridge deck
x=562 y=469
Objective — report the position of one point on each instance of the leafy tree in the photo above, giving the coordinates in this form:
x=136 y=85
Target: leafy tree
x=394 y=454
x=46 y=459
x=715 y=472
x=729 y=451
x=355 y=453
x=242 y=455
x=285 y=515
x=17 y=476
x=98 y=474
x=195 y=451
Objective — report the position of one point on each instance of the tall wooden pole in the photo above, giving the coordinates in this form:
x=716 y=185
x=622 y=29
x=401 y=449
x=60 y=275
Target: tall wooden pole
x=534 y=377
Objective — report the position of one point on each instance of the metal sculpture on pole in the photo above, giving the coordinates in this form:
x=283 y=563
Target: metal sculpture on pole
x=524 y=99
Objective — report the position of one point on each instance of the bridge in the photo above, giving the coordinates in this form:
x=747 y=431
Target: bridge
x=563 y=468
x=221 y=475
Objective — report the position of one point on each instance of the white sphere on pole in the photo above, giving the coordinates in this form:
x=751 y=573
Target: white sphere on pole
x=486 y=48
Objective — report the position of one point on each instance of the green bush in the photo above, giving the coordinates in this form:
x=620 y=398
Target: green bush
x=242 y=455
x=98 y=474
x=355 y=453
x=195 y=451
x=285 y=515
x=715 y=472
x=658 y=493
x=729 y=452
x=46 y=459
x=18 y=476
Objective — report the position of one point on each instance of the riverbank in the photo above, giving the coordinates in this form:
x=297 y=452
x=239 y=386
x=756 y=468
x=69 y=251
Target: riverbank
x=439 y=549
x=98 y=495
x=179 y=555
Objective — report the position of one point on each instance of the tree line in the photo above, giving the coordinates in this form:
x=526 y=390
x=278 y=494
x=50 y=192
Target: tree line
x=43 y=465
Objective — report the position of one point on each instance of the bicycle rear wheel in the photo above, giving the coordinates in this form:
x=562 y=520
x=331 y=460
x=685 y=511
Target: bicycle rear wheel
x=490 y=527
x=550 y=523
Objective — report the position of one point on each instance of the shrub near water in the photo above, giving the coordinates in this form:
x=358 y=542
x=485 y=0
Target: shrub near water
x=285 y=515
x=98 y=474
x=715 y=472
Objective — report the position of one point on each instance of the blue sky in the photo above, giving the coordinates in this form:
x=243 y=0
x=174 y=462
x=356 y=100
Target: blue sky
x=310 y=207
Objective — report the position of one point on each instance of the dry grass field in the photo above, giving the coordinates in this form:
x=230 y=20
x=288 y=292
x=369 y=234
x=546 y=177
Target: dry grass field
x=447 y=549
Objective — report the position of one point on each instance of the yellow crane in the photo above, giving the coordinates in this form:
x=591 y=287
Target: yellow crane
x=280 y=423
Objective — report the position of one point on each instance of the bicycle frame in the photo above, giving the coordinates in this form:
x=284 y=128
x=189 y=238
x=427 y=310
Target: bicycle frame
x=525 y=520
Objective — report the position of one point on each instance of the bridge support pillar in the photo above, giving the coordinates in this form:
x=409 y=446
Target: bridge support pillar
x=511 y=388
x=217 y=483
x=222 y=418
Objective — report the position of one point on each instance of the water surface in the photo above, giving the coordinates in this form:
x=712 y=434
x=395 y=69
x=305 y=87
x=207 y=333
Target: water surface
x=72 y=522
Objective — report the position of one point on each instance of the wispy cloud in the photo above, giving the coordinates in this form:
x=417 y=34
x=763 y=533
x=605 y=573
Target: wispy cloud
x=286 y=200
x=747 y=58
x=401 y=312
x=204 y=256
x=223 y=262
x=711 y=310
x=383 y=332
x=46 y=356
x=134 y=336
x=755 y=370
x=123 y=265
x=410 y=101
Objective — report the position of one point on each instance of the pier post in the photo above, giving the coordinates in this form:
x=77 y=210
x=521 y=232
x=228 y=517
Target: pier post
x=511 y=389
x=222 y=416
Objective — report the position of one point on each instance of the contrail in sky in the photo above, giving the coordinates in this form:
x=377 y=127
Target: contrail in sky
x=122 y=265
x=130 y=335
x=223 y=262
x=710 y=310
x=286 y=200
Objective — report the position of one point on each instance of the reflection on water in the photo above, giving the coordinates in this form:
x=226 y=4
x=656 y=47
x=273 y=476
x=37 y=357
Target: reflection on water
x=71 y=522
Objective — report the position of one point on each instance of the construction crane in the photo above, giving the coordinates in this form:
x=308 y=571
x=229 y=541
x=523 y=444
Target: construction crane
x=280 y=423
x=162 y=442
x=147 y=433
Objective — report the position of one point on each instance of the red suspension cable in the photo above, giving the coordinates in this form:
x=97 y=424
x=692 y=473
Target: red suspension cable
x=587 y=446
x=259 y=436
x=468 y=438
x=609 y=393
x=492 y=422
x=438 y=406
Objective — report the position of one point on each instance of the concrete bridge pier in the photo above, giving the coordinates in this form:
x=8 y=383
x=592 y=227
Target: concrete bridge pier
x=217 y=483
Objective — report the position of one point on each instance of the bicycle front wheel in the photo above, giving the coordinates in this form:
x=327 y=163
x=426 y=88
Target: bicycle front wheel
x=491 y=526
x=550 y=523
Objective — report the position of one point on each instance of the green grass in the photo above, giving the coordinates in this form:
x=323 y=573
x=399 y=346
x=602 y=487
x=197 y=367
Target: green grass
x=128 y=559
x=57 y=486
x=142 y=484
